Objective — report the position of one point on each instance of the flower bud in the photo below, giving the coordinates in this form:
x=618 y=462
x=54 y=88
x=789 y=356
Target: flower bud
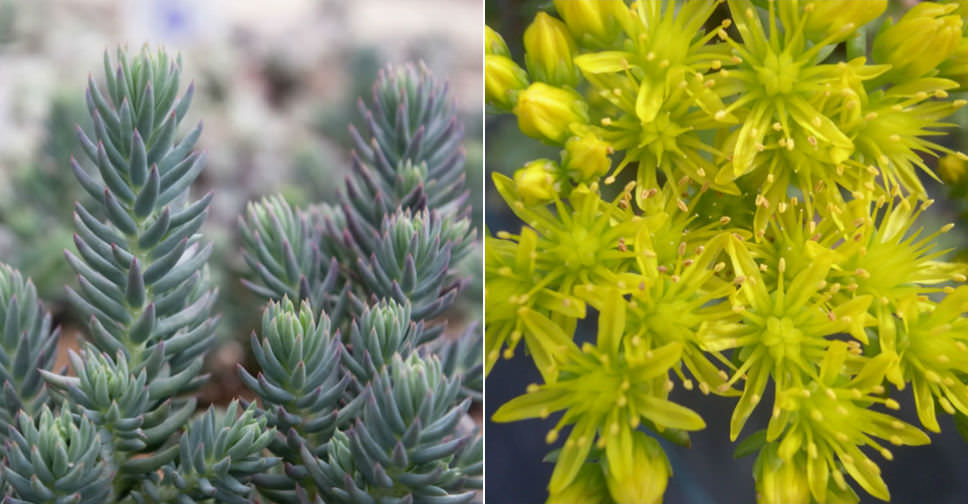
x=830 y=18
x=592 y=22
x=503 y=78
x=586 y=157
x=951 y=169
x=547 y=112
x=956 y=67
x=494 y=43
x=535 y=182
x=779 y=480
x=927 y=35
x=549 y=51
x=588 y=486
x=644 y=476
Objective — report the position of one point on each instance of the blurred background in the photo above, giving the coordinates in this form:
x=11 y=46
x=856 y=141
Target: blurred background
x=276 y=85
x=706 y=472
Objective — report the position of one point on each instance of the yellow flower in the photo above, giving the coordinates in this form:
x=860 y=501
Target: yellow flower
x=547 y=112
x=780 y=481
x=606 y=395
x=885 y=255
x=588 y=486
x=892 y=129
x=638 y=469
x=956 y=66
x=586 y=157
x=952 y=169
x=549 y=50
x=927 y=35
x=839 y=18
x=656 y=95
x=494 y=43
x=592 y=22
x=535 y=183
x=829 y=418
x=503 y=79
x=779 y=80
x=779 y=329
x=932 y=344
x=517 y=297
x=582 y=240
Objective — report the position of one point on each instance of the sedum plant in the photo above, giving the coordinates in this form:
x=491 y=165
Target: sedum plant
x=352 y=404
x=738 y=203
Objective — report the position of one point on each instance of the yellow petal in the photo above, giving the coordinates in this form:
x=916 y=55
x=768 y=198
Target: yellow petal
x=611 y=322
x=924 y=403
x=547 y=342
x=649 y=100
x=535 y=404
x=573 y=454
x=865 y=473
x=872 y=374
x=752 y=394
x=669 y=414
x=751 y=134
x=604 y=62
x=818 y=474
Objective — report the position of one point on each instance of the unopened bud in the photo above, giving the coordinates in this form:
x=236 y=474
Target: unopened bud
x=494 y=43
x=586 y=157
x=547 y=112
x=549 y=51
x=926 y=36
x=593 y=23
x=951 y=169
x=535 y=182
x=779 y=480
x=956 y=66
x=503 y=79
x=828 y=18
x=588 y=486
x=646 y=478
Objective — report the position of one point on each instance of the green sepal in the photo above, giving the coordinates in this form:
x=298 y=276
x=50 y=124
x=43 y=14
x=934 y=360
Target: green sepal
x=750 y=444
x=961 y=424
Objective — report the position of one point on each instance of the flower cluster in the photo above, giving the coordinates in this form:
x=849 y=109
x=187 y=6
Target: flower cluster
x=763 y=241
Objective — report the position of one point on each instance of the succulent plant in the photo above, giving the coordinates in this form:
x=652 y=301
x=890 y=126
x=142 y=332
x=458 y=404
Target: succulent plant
x=337 y=334
x=27 y=346
x=385 y=263
x=404 y=445
x=54 y=459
